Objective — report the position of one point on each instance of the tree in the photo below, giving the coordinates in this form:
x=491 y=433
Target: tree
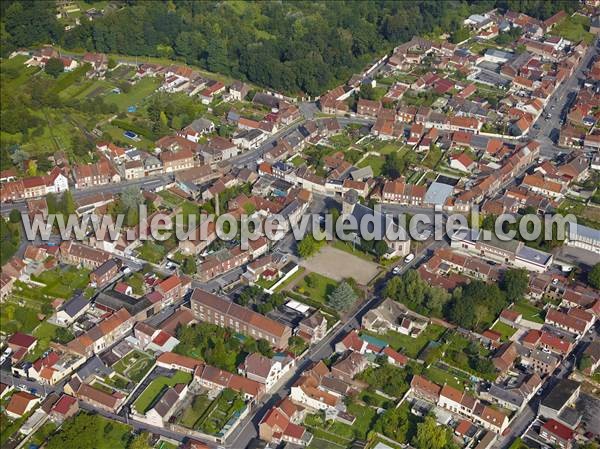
x=515 y=283
x=380 y=248
x=308 y=246
x=264 y=347
x=68 y=205
x=393 y=423
x=140 y=441
x=594 y=276
x=343 y=297
x=189 y=265
x=430 y=435
x=460 y=35
x=14 y=216
x=47 y=309
x=54 y=67
x=585 y=362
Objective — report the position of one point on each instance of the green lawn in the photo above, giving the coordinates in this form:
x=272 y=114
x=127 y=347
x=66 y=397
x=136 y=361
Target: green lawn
x=374 y=399
x=18 y=318
x=45 y=333
x=574 y=28
x=291 y=279
x=441 y=376
x=504 y=329
x=529 y=311
x=62 y=283
x=152 y=252
x=170 y=199
x=317 y=287
x=145 y=400
x=192 y=414
x=107 y=433
x=376 y=163
x=189 y=209
x=138 y=93
x=409 y=346
x=42 y=434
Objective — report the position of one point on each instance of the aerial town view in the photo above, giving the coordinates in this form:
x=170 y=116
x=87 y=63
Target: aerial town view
x=300 y=224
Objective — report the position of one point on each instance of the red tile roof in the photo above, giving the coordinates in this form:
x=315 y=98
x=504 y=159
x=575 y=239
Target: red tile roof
x=558 y=429
x=64 y=404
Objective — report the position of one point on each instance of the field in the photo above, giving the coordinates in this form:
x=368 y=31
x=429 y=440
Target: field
x=18 y=318
x=409 y=346
x=134 y=365
x=145 y=400
x=529 y=311
x=504 y=329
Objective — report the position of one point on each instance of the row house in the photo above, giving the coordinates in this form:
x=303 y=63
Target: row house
x=78 y=254
x=216 y=310
x=222 y=262
x=98 y=174
x=173 y=288
x=216 y=379
x=368 y=108
x=576 y=321
x=104 y=334
x=466 y=405
x=218 y=149
x=133 y=170
x=36 y=186
x=104 y=273
x=538 y=184
x=403 y=193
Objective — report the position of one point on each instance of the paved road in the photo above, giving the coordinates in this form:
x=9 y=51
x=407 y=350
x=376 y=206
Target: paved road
x=557 y=105
x=148 y=183
x=322 y=350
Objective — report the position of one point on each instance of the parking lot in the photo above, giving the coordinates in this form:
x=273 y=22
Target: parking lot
x=337 y=265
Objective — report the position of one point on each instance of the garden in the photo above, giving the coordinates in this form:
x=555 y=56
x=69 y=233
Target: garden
x=529 y=311
x=134 y=365
x=410 y=346
x=505 y=330
x=156 y=387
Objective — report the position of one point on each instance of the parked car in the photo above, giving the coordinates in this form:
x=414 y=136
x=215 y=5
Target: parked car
x=396 y=270
x=409 y=258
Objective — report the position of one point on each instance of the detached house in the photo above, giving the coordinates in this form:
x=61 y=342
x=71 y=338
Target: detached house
x=392 y=315
x=264 y=370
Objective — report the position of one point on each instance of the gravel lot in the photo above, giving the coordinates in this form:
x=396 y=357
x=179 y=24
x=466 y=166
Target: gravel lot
x=337 y=265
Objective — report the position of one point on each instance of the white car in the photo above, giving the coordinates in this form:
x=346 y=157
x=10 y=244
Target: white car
x=409 y=258
x=396 y=270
